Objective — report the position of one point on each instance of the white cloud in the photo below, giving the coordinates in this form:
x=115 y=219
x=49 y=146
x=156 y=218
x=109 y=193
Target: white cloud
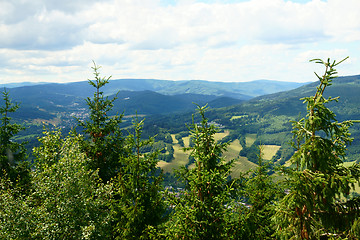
x=56 y=40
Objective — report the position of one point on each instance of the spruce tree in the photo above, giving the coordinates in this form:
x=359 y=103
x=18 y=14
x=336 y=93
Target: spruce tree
x=202 y=210
x=313 y=208
x=260 y=192
x=138 y=202
x=104 y=141
x=12 y=154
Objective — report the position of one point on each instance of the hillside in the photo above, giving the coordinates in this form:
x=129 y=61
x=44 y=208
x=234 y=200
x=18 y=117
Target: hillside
x=47 y=101
x=264 y=119
x=239 y=90
x=268 y=117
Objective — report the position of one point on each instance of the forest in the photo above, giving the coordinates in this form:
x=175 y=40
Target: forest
x=98 y=180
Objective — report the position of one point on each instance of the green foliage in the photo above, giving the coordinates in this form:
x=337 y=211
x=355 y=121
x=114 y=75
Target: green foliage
x=179 y=138
x=12 y=154
x=200 y=211
x=251 y=153
x=260 y=192
x=104 y=143
x=138 y=203
x=67 y=200
x=105 y=186
x=319 y=179
x=16 y=216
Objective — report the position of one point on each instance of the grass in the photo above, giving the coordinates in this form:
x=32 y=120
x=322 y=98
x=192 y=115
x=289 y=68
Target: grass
x=241 y=164
x=220 y=135
x=269 y=151
x=237 y=117
x=233 y=150
x=174 y=139
x=39 y=121
x=186 y=141
x=181 y=158
x=250 y=139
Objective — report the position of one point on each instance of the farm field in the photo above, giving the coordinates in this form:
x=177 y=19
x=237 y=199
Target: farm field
x=241 y=164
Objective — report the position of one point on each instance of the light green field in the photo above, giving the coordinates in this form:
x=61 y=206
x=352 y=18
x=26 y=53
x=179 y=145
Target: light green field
x=237 y=117
x=221 y=135
x=241 y=164
x=269 y=151
x=250 y=139
x=173 y=138
x=233 y=150
x=181 y=158
x=186 y=141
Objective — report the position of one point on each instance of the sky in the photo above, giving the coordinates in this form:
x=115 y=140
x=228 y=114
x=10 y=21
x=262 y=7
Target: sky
x=229 y=40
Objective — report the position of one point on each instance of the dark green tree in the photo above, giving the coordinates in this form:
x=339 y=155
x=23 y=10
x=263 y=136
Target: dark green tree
x=202 y=211
x=138 y=204
x=12 y=154
x=104 y=141
x=260 y=192
x=313 y=208
x=180 y=140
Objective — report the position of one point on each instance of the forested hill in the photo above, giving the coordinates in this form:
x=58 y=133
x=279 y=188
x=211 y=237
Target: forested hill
x=269 y=116
x=239 y=90
x=288 y=103
x=144 y=96
x=265 y=116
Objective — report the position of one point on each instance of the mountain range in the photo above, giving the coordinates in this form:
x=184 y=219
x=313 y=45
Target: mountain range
x=144 y=96
x=239 y=107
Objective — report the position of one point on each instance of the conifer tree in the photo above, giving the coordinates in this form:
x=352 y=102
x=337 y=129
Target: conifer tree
x=261 y=192
x=138 y=204
x=104 y=141
x=202 y=210
x=12 y=154
x=313 y=206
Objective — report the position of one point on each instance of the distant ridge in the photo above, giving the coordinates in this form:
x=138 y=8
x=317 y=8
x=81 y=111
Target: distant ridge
x=144 y=96
x=20 y=84
x=238 y=90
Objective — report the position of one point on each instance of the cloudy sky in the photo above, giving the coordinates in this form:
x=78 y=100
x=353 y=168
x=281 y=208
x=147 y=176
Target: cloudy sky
x=229 y=40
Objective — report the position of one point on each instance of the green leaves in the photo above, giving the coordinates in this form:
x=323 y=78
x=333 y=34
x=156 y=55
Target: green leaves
x=66 y=201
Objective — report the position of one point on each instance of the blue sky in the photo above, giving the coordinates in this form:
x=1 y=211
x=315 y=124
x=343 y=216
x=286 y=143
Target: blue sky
x=229 y=40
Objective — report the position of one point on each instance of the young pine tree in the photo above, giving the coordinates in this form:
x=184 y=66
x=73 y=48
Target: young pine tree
x=313 y=207
x=104 y=142
x=261 y=192
x=202 y=210
x=12 y=154
x=139 y=204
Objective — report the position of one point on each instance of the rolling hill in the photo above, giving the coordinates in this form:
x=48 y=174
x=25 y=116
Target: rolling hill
x=144 y=96
x=263 y=119
x=268 y=117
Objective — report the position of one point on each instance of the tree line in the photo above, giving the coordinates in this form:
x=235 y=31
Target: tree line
x=95 y=182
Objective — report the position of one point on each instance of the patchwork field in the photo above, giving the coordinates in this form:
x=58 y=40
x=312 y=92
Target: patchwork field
x=241 y=164
x=250 y=139
x=268 y=151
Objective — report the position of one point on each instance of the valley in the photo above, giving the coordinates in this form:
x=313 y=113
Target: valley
x=259 y=121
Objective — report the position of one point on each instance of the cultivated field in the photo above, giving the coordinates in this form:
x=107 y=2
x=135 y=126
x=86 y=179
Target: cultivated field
x=241 y=164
